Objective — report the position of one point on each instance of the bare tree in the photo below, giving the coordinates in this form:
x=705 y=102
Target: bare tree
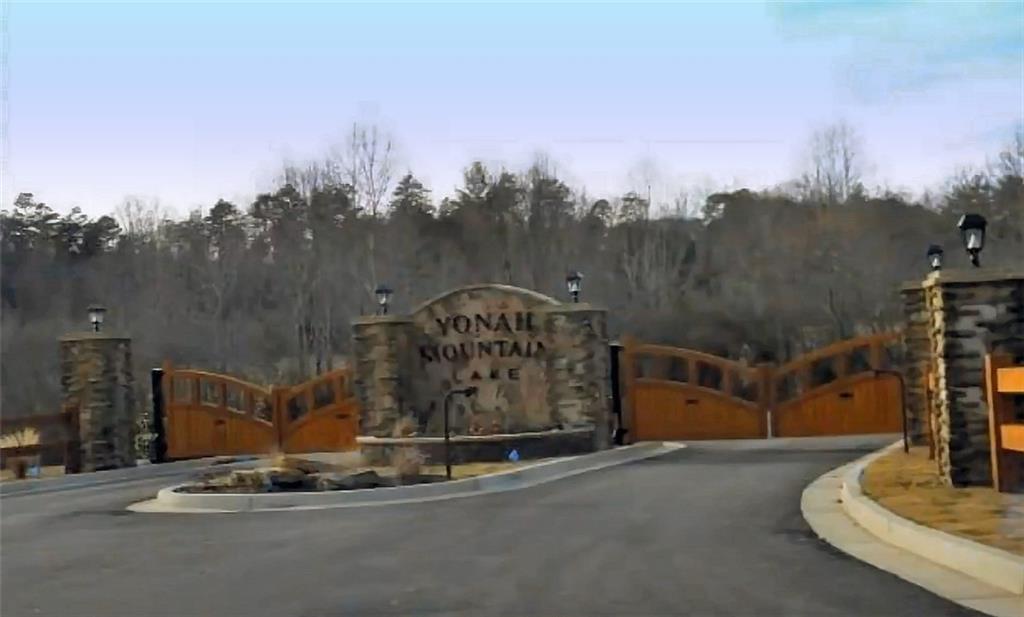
x=835 y=164
x=645 y=178
x=368 y=165
x=657 y=263
x=1011 y=159
x=139 y=218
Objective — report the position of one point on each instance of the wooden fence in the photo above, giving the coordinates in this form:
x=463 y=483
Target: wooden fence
x=1004 y=382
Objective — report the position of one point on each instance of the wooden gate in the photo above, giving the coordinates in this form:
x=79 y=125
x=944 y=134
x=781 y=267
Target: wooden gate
x=320 y=415
x=844 y=389
x=848 y=388
x=208 y=414
x=683 y=394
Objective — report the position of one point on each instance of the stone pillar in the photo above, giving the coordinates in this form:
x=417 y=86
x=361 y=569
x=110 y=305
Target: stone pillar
x=917 y=356
x=579 y=369
x=380 y=345
x=970 y=313
x=96 y=379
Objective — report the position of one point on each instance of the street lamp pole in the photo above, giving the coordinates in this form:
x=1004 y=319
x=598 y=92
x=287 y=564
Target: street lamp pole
x=468 y=391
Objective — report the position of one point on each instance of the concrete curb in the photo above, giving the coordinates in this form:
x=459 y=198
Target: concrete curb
x=993 y=566
x=825 y=510
x=114 y=476
x=170 y=500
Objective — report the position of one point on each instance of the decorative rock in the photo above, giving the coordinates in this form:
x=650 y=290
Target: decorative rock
x=351 y=482
x=286 y=479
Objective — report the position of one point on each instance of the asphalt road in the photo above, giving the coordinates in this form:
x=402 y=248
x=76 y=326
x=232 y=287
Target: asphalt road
x=714 y=529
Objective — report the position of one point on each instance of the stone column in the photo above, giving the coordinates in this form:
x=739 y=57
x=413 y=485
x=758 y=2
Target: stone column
x=917 y=355
x=971 y=313
x=96 y=379
x=380 y=351
x=578 y=368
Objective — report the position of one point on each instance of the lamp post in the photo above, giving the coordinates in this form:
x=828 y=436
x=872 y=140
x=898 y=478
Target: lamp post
x=468 y=391
x=935 y=257
x=96 y=314
x=972 y=233
x=574 y=281
x=383 y=298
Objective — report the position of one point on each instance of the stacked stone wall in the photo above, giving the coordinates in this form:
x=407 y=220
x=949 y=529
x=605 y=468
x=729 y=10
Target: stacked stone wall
x=970 y=314
x=916 y=359
x=96 y=379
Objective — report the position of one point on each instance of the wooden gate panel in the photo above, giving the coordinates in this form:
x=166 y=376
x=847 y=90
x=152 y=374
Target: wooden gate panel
x=328 y=429
x=842 y=389
x=195 y=432
x=202 y=417
x=864 y=404
x=677 y=411
x=320 y=415
x=684 y=394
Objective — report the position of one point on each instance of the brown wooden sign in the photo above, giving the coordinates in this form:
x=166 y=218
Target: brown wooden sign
x=1003 y=381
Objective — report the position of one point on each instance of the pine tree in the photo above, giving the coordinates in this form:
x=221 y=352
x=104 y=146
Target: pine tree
x=411 y=197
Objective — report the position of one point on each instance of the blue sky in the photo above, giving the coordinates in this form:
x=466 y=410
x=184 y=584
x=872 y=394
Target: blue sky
x=188 y=102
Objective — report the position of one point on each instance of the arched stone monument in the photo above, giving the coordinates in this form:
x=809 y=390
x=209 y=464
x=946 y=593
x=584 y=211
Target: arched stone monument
x=538 y=365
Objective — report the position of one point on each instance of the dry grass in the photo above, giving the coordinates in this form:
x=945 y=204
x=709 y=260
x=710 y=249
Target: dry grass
x=909 y=485
x=407 y=462
x=470 y=470
x=22 y=437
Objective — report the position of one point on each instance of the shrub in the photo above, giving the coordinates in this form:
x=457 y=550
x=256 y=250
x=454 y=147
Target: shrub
x=407 y=461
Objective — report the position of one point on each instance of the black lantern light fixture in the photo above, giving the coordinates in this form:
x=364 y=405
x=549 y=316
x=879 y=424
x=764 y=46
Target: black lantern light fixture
x=574 y=281
x=467 y=391
x=972 y=233
x=383 y=299
x=935 y=257
x=96 y=314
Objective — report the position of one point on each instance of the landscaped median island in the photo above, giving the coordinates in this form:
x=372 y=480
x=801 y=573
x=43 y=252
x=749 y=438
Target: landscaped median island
x=909 y=485
x=345 y=479
x=339 y=472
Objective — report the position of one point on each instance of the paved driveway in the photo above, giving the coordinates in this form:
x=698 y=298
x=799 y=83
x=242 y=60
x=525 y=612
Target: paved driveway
x=714 y=529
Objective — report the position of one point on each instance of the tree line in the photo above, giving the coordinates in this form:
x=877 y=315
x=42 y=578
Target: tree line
x=267 y=290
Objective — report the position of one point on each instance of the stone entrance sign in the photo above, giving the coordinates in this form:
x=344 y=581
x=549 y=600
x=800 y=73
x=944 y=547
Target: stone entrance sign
x=537 y=364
